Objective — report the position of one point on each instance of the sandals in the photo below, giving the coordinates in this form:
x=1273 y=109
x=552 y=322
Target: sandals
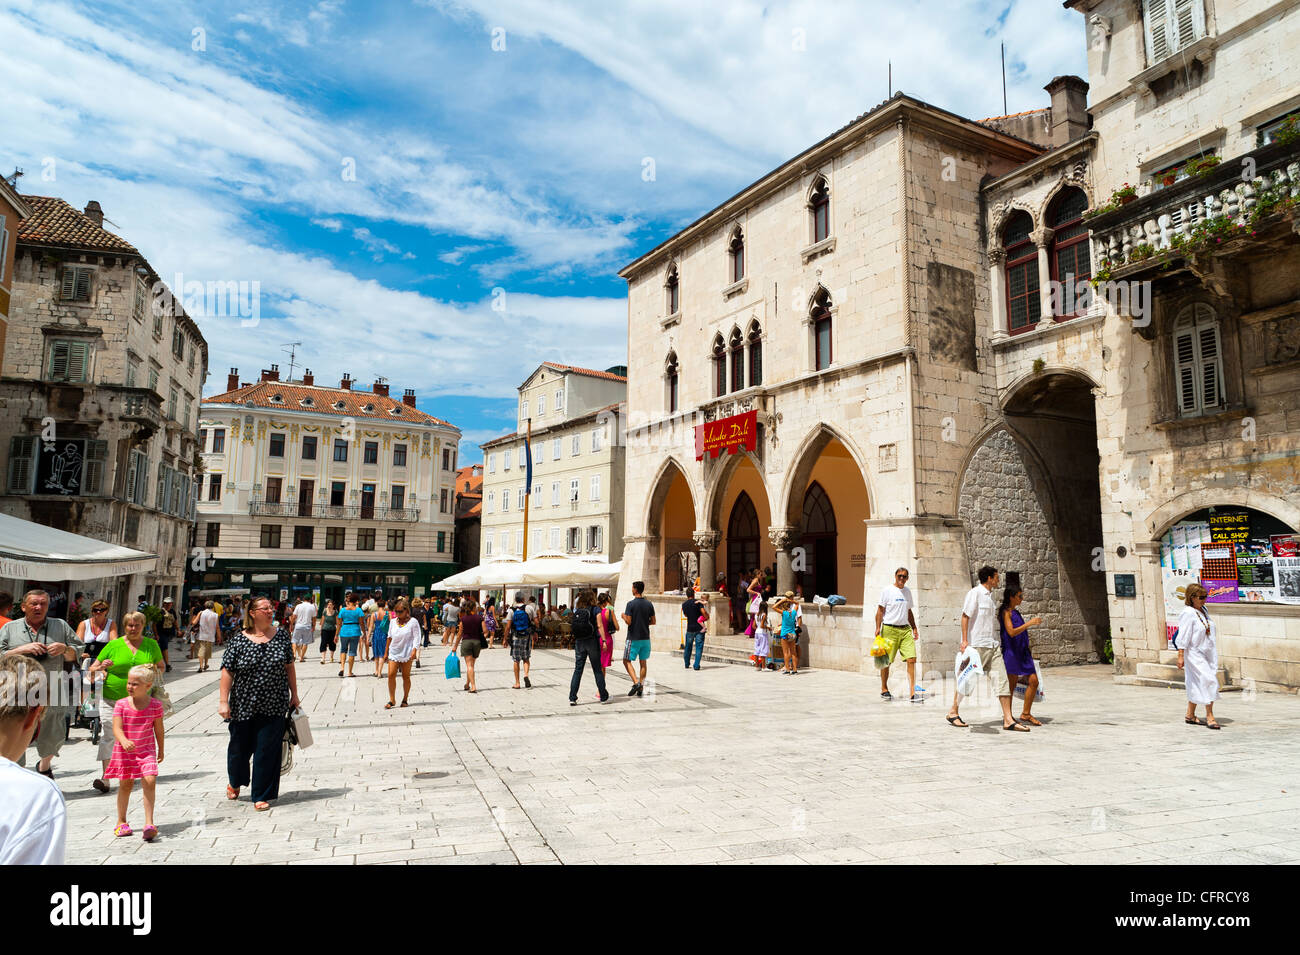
x=232 y=792
x=150 y=833
x=403 y=703
x=1213 y=726
x=1026 y=718
x=122 y=829
x=1193 y=721
x=389 y=706
x=101 y=785
x=1015 y=727
x=957 y=721
x=261 y=806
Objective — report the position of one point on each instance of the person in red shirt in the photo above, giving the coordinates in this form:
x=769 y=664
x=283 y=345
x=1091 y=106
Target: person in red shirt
x=6 y=607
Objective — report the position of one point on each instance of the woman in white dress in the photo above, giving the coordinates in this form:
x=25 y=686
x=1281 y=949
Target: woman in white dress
x=1198 y=657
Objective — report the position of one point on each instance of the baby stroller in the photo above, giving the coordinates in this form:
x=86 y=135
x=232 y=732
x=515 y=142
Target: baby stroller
x=85 y=712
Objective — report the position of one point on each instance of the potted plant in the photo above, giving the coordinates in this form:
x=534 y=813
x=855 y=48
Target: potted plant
x=1169 y=179
x=1123 y=195
x=1288 y=132
x=1202 y=165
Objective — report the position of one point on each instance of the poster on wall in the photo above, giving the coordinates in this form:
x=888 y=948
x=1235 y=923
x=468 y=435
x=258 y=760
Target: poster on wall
x=59 y=468
x=1284 y=545
x=1220 y=543
x=1229 y=527
x=1256 y=580
x=1179 y=548
x=1167 y=550
x=1287 y=571
x=1175 y=587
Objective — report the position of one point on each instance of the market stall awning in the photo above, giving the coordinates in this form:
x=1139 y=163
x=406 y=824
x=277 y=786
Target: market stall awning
x=540 y=571
x=30 y=551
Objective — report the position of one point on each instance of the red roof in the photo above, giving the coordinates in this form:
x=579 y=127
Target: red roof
x=260 y=393
x=609 y=376
x=465 y=476
x=54 y=222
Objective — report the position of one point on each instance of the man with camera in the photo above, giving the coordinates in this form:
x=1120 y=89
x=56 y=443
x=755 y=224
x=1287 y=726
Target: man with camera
x=51 y=642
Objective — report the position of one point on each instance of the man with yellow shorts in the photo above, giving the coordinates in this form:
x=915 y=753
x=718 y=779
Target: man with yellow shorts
x=897 y=627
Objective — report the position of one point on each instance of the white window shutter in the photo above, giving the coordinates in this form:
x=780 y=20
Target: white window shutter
x=1157 y=28
x=1187 y=23
x=22 y=464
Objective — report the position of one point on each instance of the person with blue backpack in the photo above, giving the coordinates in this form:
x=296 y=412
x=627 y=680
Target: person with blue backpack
x=520 y=626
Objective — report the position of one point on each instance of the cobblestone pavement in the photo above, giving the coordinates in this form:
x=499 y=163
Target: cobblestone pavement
x=724 y=765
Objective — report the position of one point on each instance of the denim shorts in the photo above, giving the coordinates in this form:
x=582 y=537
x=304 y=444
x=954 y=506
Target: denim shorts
x=348 y=646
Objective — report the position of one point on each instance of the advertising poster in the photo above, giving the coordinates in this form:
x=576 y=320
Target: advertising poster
x=1167 y=550
x=1175 y=587
x=1256 y=580
x=1229 y=527
x=1287 y=571
x=1221 y=591
x=1284 y=545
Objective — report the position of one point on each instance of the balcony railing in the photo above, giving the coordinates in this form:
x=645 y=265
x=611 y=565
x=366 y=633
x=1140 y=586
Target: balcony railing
x=1198 y=211
x=337 y=512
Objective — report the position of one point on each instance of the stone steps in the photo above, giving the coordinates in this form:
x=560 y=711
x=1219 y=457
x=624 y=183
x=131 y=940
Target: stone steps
x=1128 y=679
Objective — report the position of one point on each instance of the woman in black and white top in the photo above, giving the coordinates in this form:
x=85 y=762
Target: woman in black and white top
x=258 y=687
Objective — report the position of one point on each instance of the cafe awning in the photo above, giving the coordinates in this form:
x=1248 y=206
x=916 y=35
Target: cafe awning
x=30 y=551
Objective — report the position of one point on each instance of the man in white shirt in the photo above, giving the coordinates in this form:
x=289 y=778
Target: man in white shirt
x=33 y=819
x=304 y=622
x=208 y=623
x=979 y=629
x=895 y=623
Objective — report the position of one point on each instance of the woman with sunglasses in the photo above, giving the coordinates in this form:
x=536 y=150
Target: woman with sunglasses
x=1198 y=656
x=258 y=686
x=97 y=630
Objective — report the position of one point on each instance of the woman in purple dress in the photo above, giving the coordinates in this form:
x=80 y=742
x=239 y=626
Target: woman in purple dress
x=1015 y=649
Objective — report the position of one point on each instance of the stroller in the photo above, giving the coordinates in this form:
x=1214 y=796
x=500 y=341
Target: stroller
x=85 y=713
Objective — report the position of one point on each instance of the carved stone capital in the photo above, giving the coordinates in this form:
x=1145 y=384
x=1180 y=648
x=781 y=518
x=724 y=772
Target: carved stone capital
x=781 y=537
x=997 y=257
x=707 y=540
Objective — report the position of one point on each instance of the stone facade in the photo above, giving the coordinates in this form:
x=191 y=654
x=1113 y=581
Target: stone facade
x=97 y=362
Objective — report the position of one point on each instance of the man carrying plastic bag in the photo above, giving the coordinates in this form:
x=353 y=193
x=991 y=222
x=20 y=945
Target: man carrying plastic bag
x=979 y=632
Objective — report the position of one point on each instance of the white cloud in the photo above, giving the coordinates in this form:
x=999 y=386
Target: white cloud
x=333 y=225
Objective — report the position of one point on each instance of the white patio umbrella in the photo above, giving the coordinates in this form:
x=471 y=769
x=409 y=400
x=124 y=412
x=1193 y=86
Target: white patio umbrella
x=495 y=573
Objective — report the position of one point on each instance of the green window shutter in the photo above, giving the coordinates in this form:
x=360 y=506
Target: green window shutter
x=1210 y=373
x=59 y=361
x=1185 y=369
x=78 y=361
x=22 y=464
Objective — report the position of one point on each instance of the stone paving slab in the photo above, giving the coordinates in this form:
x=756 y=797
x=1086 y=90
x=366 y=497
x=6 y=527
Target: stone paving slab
x=721 y=766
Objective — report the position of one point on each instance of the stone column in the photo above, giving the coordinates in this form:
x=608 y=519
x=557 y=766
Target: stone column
x=707 y=542
x=1042 y=238
x=998 y=289
x=782 y=538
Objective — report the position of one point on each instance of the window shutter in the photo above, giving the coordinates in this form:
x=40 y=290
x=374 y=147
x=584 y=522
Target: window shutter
x=1185 y=367
x=1211 y=389
x=92 y=475
x=130 y=477
x=22 y=464
x=78 y=361
x=82 y=293
x=59 y=361
x=69 y=286
x=1186 y=25
x=1157 y=27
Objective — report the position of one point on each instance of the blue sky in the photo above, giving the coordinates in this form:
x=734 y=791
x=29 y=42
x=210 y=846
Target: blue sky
x=216 y=136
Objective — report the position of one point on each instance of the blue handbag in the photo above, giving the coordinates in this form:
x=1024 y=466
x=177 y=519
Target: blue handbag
x=451 y=666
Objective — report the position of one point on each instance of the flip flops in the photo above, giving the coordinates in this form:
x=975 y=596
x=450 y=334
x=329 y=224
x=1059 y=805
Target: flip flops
x=232 y=792
x=957 y=721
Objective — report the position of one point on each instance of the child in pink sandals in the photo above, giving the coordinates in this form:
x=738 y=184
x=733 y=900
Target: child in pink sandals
x=137 y=727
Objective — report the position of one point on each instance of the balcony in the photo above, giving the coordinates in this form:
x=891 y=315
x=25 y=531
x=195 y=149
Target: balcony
x=1194 y=222
x=337 y=512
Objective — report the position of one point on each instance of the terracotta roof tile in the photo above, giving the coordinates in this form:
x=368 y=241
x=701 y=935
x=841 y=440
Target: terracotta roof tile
x=475 y=481
x=323 y=401
x=609 y=376
x=54 y=222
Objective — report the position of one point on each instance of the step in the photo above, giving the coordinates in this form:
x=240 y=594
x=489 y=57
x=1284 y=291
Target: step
x=1127 y=679
x=1170 y=672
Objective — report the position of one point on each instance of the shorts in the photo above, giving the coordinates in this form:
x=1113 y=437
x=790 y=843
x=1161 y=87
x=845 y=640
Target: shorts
x=205 y=649
x=106 y=737
x=899 y=640
x=327 y=640
x=521 y=647
x=165 y=639
x=636 y=650
x=471 y=647
x=995 y=670
x=302 y=637
x=348 y=646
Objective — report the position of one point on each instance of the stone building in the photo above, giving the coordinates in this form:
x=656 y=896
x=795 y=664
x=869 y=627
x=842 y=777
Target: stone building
x=577 y=492
x=12 y=211
x=899 y=313
x=99 y=396
x=469 y=515
x=320 y=490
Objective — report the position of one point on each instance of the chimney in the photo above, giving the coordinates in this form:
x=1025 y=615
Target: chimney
x=408 y=397
x=272 y=375
x=94 y=213
x=308 y=378
x=1069 y=109
x=346 y=383
x=381 y=388
x=232 y=379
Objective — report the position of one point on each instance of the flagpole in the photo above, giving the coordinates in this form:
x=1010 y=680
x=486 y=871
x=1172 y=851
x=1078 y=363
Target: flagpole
x=528 y=491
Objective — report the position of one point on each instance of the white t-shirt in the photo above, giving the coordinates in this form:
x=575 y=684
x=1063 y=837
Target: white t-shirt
x=208 y=623
x=303 y=616
x=897 y=602
x=370 y=605
x=33 y=819
x=403 y=639
x=978 y=606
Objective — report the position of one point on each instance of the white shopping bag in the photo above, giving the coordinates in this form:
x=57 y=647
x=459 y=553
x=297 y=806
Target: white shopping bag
x=301 y=728
x=969 y=672
x=1019 y=691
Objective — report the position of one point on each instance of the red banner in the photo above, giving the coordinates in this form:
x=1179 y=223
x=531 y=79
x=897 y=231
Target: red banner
x=727 y=434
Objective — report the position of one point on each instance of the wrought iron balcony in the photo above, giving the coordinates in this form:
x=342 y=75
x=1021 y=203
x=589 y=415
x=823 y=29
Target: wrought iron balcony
x=338 y=512
x=1200 y=213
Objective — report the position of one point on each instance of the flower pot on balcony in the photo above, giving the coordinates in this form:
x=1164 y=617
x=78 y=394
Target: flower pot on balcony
x=1125 y=200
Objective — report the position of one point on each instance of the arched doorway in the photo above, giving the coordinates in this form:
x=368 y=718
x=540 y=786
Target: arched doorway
x=670 y=525
x=743 y=535
x=819 y=538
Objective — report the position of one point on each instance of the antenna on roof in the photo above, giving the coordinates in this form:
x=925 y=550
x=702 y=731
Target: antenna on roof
x=1004 y=80
x=891 y=79
x=290 y=347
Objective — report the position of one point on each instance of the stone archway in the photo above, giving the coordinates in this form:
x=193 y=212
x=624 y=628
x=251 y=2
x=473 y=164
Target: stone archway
x=670 y=524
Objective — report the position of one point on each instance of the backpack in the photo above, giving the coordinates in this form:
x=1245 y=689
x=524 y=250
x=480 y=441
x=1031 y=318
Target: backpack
x=519 y=621
x=583 y=627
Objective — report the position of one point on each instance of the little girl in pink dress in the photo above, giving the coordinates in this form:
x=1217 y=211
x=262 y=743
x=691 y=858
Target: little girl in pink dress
x=138 y=729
